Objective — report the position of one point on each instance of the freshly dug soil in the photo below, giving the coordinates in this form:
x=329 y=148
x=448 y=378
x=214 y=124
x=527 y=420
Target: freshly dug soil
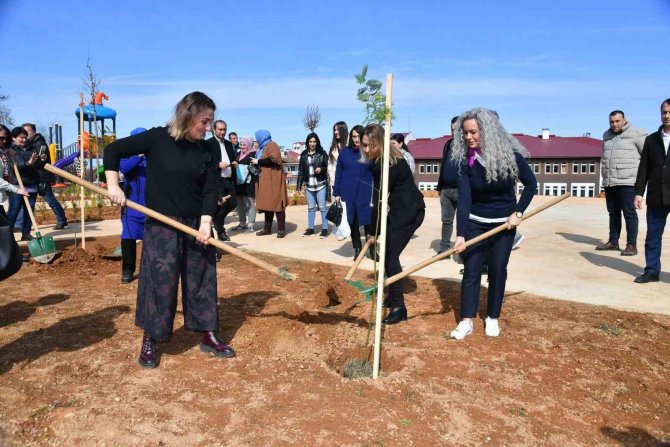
x=560 y=374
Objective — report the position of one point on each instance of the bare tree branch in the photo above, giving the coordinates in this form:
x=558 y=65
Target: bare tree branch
x=312 y=118
x=5 y=112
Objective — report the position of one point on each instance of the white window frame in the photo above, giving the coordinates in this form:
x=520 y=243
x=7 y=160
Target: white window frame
x=427 y=186
x=575 y=167
x=422 y=168
x=589 y=189
x=592 y=167
x=554 y=189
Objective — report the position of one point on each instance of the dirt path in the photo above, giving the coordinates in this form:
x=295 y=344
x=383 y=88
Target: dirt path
x=560 y=374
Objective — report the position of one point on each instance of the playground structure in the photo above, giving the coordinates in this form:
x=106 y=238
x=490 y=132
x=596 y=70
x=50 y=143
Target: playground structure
x=94 y=139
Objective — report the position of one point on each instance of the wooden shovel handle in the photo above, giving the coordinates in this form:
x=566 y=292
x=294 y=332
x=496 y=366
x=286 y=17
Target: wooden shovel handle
x=473 y=241
x=25 y=199
x=173 y=223
x=359 y=258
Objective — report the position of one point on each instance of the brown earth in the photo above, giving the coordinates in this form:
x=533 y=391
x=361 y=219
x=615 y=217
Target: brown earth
x=561 y=374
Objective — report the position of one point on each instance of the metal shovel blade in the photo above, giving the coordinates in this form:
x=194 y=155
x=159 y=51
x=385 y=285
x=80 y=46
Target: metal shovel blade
x=42 y=249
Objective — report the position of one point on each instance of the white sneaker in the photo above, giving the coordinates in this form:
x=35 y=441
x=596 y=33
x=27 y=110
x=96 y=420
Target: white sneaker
x=491 y=327
x=463 y=329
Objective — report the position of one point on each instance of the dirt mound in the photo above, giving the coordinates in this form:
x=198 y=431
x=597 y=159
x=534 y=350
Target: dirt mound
x=317 y=287
x=75 y=260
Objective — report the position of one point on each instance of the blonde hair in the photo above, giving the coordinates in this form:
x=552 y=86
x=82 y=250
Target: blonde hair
x=186 y=110
x=375 y=134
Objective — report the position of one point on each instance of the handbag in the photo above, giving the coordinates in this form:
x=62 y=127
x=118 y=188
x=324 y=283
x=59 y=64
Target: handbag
x=254 y=170
x=334 y=213
x=10 y=255
x=343 y=230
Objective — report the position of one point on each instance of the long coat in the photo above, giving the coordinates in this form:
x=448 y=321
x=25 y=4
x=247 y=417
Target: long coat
x=353 y=184
x=134 y=171
x=654 y=171
x=271 y=192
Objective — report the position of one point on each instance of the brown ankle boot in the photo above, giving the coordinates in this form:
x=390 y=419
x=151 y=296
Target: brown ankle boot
x=148 y=354
x=212 y=343
x=630 y=250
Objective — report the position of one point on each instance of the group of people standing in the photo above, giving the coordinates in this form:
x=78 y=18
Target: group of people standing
x=28 y=150
x=632 y=162
x=481 y=167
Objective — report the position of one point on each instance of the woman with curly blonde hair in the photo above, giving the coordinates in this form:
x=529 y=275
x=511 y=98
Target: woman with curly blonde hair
x=491 y=162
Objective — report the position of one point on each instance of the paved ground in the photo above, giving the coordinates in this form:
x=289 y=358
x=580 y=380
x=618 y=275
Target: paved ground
x=556 y=259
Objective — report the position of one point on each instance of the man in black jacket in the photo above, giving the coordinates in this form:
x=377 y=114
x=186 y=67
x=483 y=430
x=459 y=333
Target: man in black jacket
x=653 y=173
x=226 y=162
x=38 y=144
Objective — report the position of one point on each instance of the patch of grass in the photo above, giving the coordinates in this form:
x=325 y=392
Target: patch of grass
x=518 y=411
x=609 y=330
x=406 y=422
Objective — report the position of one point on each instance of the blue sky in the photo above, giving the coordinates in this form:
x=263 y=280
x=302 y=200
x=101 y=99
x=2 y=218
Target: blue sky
x=562 y=65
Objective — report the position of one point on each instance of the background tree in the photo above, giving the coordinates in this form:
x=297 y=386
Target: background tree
x=5 y=112
x=91 y=86
x=312 y=118
x=370 y=94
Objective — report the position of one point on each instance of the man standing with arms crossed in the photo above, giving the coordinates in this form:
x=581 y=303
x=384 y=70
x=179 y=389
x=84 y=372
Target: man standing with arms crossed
x=622 y=146
x=654 y=175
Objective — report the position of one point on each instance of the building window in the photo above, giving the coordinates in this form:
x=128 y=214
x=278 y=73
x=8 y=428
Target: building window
x=547 y=168
x=429 y=169
x=583 y=189
x=436 y=168
x=564 y=168
x=555 y=189
x=592 y=168
x=585 y=168
x=555 y=168
x=575 y=167
x=536 y=168
x=427 y=186
x=422 y=168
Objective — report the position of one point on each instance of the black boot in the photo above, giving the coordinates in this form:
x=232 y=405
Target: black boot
x=373 y=252
x=396 y=315
x=148 y=354
x=212 y=343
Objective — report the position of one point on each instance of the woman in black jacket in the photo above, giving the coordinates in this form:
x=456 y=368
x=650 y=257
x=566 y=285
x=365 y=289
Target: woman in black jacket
x=406 y=213
x=182 y=184
x=313 y=173
x=28 y=163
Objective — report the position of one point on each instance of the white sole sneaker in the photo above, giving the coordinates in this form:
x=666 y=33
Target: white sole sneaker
x=491 y=327
x=463 y=329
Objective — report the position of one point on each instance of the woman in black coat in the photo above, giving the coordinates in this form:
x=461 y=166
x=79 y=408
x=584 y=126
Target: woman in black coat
x=406 y=213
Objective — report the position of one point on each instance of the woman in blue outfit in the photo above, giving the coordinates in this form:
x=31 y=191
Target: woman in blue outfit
x=492 y=161
x=134 y=170
x=313 y=175
x=353 y=186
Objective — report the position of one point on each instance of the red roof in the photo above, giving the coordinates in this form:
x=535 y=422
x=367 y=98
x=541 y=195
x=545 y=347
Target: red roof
x=554 y=147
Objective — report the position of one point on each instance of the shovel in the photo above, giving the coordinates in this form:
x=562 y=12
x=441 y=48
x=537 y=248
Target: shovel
x=370 y=290
x=42 y=249
x=174 y=224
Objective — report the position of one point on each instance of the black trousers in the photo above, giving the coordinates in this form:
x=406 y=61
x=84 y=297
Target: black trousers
x=396 y=241
x=496 y=251
x=129 y=255
x=169 y=255
x=226 y=187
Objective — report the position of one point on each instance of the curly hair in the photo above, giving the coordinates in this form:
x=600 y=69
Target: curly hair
x=498 y=146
